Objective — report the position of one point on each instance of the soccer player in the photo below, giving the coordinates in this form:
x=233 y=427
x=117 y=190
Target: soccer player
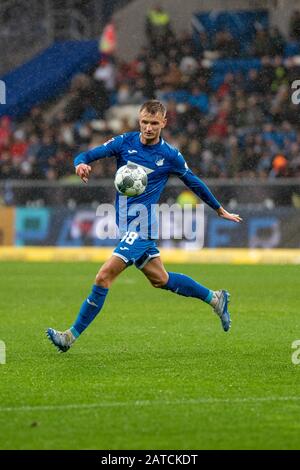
x=146 y=148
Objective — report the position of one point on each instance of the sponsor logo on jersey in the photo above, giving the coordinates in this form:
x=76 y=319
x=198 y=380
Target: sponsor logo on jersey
x=147 y=170
x=132 y=151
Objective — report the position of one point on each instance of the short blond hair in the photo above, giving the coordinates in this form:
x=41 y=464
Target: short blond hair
x=153 y=107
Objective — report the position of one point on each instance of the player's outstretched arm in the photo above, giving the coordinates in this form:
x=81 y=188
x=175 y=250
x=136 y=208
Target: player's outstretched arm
x=227 y=215
x=201 y=190
x=83 y=171
x=108 y=149
x=195 y=184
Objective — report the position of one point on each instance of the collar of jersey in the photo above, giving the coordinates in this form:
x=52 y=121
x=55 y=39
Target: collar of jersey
x=154 y=146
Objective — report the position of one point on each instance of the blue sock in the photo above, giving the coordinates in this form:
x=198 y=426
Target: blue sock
x=185 y=285
x=89 y=309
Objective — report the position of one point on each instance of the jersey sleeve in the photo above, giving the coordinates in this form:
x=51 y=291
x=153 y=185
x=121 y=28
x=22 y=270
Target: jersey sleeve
x=180 y=166
x=195 y=184
x=110 y=148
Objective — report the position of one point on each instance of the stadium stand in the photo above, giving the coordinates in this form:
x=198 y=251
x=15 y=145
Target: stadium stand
x=231 y=117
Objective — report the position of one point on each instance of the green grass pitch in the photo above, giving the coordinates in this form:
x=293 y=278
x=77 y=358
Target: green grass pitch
x=154 y=370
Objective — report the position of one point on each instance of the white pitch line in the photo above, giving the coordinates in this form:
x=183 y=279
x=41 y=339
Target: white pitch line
x=196 y=401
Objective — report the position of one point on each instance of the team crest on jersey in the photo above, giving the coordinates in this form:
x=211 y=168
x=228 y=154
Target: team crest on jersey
x=160 y=162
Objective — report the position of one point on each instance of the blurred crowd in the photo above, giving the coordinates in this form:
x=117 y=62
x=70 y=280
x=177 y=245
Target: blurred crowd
x=244 y=126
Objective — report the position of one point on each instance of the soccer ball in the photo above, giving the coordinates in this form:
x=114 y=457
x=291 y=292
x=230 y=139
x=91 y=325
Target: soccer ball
x=131 y=180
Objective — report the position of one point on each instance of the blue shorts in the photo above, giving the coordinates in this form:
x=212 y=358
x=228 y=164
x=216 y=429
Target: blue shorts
x=134 y=250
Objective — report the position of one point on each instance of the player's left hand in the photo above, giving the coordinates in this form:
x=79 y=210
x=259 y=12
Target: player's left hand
x=227 y=215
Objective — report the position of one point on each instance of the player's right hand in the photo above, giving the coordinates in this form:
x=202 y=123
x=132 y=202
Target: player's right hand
x=83 y=171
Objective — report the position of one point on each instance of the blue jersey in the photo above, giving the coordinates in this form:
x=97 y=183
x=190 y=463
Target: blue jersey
x=159 y=161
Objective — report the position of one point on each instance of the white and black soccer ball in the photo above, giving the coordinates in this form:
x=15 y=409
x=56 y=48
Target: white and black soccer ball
x=131 y=180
